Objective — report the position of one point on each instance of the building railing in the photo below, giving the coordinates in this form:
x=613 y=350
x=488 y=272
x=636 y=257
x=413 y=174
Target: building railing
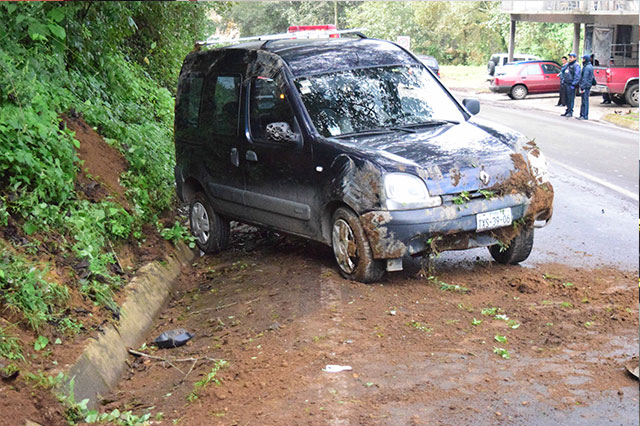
x=625 y=55
x=625 y=7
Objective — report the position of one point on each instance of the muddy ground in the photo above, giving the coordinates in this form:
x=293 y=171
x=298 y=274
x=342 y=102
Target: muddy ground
x=421 y=350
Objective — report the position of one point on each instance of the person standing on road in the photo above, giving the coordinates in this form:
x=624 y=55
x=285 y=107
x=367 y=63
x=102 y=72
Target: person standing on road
x=572 y=74
x=562 y=100
x=586 y=81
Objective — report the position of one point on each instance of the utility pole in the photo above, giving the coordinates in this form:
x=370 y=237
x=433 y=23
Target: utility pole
x=335 y=13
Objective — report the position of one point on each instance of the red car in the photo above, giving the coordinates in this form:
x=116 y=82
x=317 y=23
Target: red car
x=521 y=78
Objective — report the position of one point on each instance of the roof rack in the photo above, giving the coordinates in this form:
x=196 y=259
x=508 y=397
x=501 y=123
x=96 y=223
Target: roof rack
x=305 y=34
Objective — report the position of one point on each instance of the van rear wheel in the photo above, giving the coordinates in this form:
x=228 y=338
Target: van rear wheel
x=351 y=248
x=210 y=230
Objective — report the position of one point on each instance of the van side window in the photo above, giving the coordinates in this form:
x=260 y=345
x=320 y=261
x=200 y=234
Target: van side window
x=268 y=105
x=220 y=105
x=188 y=105
x=226 y=104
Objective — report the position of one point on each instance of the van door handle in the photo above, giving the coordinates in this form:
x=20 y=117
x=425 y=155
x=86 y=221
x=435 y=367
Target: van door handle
x=235 y=160
x=251 y=156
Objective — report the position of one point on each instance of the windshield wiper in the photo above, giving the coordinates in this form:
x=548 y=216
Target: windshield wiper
x=430 y=123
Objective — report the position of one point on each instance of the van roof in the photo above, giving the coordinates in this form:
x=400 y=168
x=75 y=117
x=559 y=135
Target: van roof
x=318 y=56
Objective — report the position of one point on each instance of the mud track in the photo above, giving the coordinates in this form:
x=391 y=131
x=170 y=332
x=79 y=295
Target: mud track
x=278 y=312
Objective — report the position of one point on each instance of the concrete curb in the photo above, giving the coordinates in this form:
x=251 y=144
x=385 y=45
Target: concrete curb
x=99 y=368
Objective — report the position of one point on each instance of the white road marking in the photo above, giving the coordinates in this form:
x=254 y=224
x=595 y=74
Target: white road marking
x=616 y=188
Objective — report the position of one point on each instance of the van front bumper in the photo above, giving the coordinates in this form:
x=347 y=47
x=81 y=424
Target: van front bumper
x=394 y=234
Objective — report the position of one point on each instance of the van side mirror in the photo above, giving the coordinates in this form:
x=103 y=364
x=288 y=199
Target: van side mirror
x=281 y=132
x=472 y=105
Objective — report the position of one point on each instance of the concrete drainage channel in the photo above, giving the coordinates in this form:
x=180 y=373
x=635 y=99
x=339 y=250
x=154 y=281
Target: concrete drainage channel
x=99 y=368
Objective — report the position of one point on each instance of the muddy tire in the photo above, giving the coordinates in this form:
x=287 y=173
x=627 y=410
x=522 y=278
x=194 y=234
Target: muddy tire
x=518 y=91
x=351 y=248
x=617 y=99
x=631 y=95
x=210 y=230
x=518 y=250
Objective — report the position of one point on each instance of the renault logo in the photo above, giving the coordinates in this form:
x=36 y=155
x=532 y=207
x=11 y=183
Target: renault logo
x=484 y=177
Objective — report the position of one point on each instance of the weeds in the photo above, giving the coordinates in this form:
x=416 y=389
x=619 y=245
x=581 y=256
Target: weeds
x=210 y=377
x=177 y=233
x=10 y=347
x=24 y=290
x=502 y=352
x=420 y=326
x=487 y=194
x=462 y=198
x=489 y=311
x=448 y=287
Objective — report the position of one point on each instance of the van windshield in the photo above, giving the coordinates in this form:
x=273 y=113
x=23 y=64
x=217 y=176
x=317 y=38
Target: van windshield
x=362 y=100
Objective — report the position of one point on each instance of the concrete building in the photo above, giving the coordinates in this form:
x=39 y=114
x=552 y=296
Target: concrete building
x=610 y=27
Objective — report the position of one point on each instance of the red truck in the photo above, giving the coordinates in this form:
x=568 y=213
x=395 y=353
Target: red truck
x=619 y=79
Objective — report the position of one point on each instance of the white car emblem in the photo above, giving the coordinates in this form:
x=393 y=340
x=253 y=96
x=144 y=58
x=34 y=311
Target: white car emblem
x=484 y=177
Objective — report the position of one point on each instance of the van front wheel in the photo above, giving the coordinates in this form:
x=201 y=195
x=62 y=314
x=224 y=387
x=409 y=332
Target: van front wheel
x=352 y=250
x=518 y=250
x=210 y=230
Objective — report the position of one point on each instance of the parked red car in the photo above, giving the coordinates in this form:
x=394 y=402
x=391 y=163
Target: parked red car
x=521 y=78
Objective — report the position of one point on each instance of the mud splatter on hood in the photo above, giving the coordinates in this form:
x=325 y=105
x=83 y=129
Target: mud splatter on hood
x=451 y=158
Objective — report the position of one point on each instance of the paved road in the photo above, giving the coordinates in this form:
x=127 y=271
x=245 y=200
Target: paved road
x=594 y=170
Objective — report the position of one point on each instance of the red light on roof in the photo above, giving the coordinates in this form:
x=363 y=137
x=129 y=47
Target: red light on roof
x=296 y=28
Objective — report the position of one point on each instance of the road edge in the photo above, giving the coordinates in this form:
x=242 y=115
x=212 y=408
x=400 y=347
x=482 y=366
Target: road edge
x=99 y=368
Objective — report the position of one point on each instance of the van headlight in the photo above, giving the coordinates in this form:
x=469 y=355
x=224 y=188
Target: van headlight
x=405 y=191
x=539 y=166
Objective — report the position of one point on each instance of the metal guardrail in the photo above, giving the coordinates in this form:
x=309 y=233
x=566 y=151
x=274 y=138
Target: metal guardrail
x=626 y=7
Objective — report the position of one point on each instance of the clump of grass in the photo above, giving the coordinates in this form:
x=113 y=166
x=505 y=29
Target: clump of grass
x=10 y=347
x=420 y=326
x=24 y=289
x=210 y=377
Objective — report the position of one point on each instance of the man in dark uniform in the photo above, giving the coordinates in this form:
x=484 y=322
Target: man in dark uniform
x=586 y=81
x=572 y=75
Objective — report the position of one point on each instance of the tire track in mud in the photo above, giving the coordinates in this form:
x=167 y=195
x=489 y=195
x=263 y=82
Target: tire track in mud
x=330 y=301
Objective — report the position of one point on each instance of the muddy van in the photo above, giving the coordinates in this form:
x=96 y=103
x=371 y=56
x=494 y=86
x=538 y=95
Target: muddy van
x=355 y=143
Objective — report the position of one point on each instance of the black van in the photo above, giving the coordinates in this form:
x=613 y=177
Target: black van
x=352 y=142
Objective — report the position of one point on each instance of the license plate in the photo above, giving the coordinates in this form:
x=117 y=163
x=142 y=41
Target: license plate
x=494 y=219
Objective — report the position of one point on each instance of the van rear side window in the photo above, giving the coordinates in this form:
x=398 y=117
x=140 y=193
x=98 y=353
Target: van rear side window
x=225 y=109
x=188 y=107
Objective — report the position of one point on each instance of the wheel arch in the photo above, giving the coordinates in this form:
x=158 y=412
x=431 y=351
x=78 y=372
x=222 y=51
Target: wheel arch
x=632 y=80
x=190 y=188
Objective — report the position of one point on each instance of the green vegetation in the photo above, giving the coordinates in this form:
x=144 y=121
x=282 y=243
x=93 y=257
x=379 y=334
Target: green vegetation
x=462 y=198
x=448 y=287
x=502 y=352
x=10 y=347
x=210 y=377
x=420 y=326
x=489 y=311
x=25 y=290
x=116 y=65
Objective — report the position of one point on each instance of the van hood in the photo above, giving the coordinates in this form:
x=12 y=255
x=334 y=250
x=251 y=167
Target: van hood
x=450 y=158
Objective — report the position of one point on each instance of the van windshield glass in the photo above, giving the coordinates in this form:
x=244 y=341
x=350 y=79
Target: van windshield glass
x=362 y=100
